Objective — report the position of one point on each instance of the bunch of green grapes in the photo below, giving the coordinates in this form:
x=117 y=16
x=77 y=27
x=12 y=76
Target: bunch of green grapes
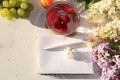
x=15 y=9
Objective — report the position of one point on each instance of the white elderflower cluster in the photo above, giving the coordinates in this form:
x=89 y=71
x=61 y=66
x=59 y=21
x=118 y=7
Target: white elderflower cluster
x=104 y=11
x=109 y=33
x=68 y=52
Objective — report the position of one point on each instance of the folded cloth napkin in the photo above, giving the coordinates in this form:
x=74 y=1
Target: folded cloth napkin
x=55 y=62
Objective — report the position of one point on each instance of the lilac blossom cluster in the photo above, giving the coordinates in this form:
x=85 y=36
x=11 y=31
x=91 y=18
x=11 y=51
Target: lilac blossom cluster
x=109 y=63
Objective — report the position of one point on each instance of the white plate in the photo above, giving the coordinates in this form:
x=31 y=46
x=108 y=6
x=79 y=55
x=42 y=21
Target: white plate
x=55 y=61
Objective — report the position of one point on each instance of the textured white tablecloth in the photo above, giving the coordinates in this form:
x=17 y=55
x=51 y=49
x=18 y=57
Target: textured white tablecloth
x=19 y=48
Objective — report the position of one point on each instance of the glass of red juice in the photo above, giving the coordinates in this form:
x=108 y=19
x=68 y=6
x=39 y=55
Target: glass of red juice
x=62 y=17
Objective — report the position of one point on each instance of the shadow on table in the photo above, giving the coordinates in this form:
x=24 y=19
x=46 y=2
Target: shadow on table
x=96 y=75
x=37 y=16
x=82 y=56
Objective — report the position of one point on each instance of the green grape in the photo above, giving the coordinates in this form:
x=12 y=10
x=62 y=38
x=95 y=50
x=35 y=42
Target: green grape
x=30 y=8
x=25 y=0
x=2 y=13
x=18 y=4
x=12 y=3
x=6 y=12
x=1 y=7
x=20 y=12
x=10 y=17
x=27 y=13
x=13 y=11
x=16 y=16
x=5 y=4
x=24 y=5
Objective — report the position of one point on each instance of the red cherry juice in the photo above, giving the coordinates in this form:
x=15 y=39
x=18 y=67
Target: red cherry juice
x=62 y=17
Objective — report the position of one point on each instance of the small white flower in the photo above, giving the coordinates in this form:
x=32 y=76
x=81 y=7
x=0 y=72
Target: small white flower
x=68 y=52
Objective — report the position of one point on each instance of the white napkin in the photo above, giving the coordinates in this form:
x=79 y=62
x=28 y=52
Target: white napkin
x=55 y=62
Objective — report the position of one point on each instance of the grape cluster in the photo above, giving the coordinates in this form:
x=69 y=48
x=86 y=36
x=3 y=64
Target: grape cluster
x=15 y=9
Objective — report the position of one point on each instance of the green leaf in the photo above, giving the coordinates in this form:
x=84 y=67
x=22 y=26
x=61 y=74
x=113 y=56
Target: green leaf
x=115 y=45
x=80 y=0
x=88 y=3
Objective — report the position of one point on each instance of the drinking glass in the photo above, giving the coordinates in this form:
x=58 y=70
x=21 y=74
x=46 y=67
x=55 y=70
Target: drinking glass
x=63 y=16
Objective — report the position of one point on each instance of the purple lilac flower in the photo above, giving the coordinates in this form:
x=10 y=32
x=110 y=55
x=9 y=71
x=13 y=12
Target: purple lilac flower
x=110 y=64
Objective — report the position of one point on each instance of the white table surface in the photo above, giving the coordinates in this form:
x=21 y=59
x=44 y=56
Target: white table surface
x=19 y=48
